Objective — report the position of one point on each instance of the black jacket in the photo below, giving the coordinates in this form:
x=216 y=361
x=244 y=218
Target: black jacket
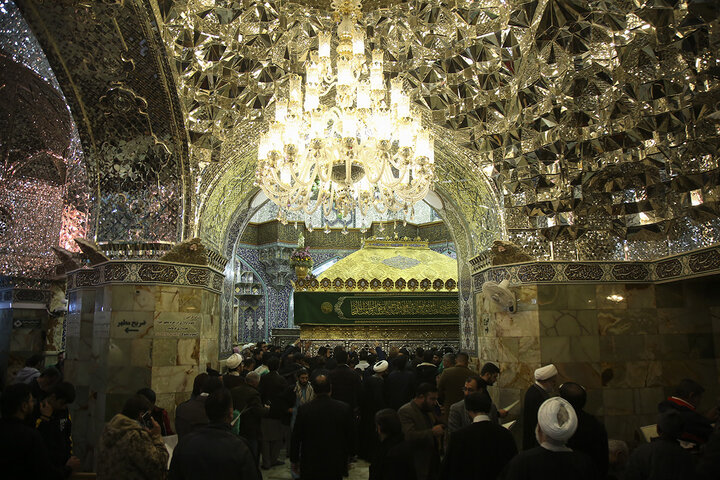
x=479 y=451
x=213 y=451
x=23 y=453
x=534 y=397
x=696 y=428
x=323 y=438
x=426 y=373
x=660 y=460
x=246 y=399
x=541 y=463
x=393 y=461
x=56 y=432
x=399 y=388
x=271 y=387
x=591 y=438
x=346 y=385
x=190 y=415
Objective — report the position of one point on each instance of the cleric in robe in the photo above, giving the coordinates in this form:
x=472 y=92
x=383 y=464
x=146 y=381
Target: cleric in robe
x=556 y=423
x=545 y=379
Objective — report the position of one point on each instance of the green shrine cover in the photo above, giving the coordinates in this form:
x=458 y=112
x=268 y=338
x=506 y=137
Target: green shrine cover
x=343 y=308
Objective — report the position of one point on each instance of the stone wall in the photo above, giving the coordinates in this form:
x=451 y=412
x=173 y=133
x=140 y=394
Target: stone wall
x=627 y=343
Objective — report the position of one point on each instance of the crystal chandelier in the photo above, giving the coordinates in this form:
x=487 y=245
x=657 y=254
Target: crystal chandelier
x=369 y=150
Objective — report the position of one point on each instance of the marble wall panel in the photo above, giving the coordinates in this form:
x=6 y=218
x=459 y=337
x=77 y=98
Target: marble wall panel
x=167 y=299
x=141 y=352
x=144 y=298
x=529 y=350
x=127 y=379
x=611 y=296
x=526 y=298
x=508 y=349
x=188 y=351
x=627 y=322
x=668 y=295
x=173 y=379
x=640 y=296
x=190 y=301
x=568 y=323
x=684 y=320
x=552 y=297
x=122 y=297
x=520 y=324
x=580 y=297
x=118 y=352
x=164 y=352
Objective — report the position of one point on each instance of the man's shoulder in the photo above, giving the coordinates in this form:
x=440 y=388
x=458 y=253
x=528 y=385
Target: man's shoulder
x=408 y=408
x=485 y=429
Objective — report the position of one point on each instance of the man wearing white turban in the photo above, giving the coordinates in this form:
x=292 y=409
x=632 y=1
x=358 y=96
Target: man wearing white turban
x=556 y=423
x=545 y=378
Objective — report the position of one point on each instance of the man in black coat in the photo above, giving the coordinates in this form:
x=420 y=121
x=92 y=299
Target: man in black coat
x=246 y=400
x=190 y=414
x=276 y=424
x=426 y=371
x=323 y=438
x=553 y=459
x=213 y=451
x=372 y=401
x=23 y=453
x=400 y=384
x=345 y=381
x=590 y=437
x=394 y=459
x=480 y=450
x=545 y=379
x=685 y=400
x=663 y=458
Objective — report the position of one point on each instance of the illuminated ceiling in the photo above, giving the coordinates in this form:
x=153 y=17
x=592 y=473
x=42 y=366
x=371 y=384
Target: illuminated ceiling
x=597 y=122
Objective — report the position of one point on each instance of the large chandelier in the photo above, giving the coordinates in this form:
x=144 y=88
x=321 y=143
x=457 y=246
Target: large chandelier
x=368 y=150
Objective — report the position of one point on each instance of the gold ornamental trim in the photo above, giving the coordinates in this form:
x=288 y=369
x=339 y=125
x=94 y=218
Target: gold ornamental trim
x=374 y=285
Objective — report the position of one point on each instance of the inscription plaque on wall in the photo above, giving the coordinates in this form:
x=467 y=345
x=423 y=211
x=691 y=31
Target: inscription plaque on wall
x=171 y=324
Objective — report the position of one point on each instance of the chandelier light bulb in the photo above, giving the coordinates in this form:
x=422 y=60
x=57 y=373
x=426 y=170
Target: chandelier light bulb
x=324 y=44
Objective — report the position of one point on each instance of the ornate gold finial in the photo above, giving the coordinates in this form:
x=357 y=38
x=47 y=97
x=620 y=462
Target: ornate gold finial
x=351 y=8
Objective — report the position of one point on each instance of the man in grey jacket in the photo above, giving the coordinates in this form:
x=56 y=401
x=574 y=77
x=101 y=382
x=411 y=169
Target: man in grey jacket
x=420 y=430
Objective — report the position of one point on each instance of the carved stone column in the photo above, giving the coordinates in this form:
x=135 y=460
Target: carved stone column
x=135 y=324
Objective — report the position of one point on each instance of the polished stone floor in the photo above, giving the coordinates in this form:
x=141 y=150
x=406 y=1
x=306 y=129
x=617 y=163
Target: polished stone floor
x=358 y=471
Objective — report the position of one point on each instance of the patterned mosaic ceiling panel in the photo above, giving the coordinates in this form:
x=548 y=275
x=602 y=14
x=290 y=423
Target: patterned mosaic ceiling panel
x=597 y=120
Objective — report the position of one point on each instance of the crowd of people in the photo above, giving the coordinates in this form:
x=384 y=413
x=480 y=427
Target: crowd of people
x=421 y=416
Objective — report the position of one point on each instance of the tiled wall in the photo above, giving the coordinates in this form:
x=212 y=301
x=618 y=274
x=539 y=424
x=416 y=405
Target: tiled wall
x=628 y=344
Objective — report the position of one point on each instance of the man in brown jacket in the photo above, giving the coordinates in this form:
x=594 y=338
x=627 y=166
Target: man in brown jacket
x=129 y=449
x=451 y=382
x=421 y=432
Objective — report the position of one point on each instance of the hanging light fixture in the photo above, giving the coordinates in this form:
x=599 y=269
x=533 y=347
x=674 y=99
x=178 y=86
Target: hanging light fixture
x=368 y=150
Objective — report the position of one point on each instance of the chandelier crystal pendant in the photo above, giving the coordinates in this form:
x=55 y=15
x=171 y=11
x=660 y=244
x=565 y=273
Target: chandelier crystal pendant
x=368 y=150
